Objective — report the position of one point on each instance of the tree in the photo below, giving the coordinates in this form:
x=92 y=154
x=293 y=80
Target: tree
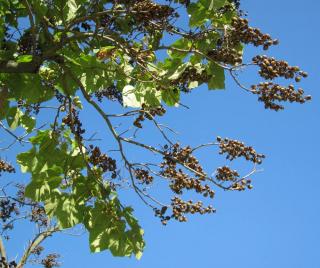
x=74 y=55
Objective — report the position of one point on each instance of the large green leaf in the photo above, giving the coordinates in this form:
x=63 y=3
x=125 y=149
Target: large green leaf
x=204 y=11
x=41 y=188
x=217 y=80
x=28 y=87
x=197 y=13
x=65 y=209
x=15 y=117
x=111 y=227
x=66 y=84
x=179 y=71
x=67 y=8
x=27 y=160
x=170 y=96
x=25 y=58
x=27 y=122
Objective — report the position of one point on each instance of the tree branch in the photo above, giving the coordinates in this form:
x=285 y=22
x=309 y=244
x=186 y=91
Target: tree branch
x=34 y=243
x=2 y=249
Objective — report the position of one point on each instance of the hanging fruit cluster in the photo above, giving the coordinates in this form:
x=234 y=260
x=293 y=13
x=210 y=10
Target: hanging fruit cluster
x=147 y=10
x=234 y=149
x=179 y=181
x=180 y=208
x=72 y=120
x=6 y=167
x=271 y=68
x=111 y=93
x=98 y=159
x=7 y=208
x=149 y=113
x=39 y=216
x=270 y=94
x=143 y=176
x=241 y=32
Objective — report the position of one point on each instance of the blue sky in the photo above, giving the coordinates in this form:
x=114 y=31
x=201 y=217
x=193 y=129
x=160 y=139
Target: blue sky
x=277 y=223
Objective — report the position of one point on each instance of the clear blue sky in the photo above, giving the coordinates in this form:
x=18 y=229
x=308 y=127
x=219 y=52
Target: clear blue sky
x=277 y=224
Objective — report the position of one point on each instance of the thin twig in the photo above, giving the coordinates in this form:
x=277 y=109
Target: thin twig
x=20 y=139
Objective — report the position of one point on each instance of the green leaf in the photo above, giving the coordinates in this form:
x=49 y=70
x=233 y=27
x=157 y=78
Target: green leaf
x=67 y=9
x=204 y=11
x=25 y=58
x=183 y=44
x=197 y=13
x=178 y=72
x=40 y=8
x=41 y=189
x=170 y=96
x=85 y=187
x=37 y=190
x=196 y=58
x=13 y=117
x=27 y=160
x=36 y=91
x=67 y=84
x=151 y=97
x=6 y=55
x=28 y=122
x=41 y=136
x=45 y=179
x=217 y=80
x=115 y=229
x=65 y=209
x=93 y=80
x=2 y=30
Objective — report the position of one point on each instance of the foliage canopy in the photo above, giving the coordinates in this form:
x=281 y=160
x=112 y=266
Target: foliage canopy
x=69 y=55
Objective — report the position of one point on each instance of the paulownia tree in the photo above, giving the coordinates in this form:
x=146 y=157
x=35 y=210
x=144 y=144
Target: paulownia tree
x=73 y=55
